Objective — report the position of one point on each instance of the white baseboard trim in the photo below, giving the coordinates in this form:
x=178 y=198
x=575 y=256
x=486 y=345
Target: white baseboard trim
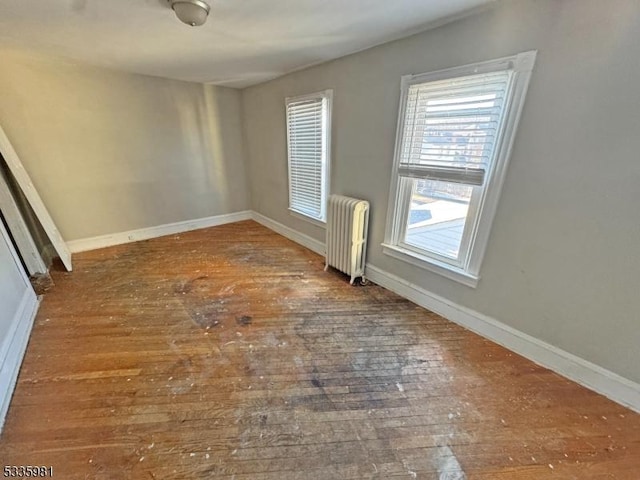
x=13 y=351
x=94 y=243
x=590 y=375
x=304 y=240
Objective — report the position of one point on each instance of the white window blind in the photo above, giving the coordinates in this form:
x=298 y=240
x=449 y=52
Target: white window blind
x=307 y=134
x=451 y=126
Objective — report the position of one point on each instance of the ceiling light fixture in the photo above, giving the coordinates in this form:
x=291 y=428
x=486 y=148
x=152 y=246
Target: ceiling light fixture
x=191 y=12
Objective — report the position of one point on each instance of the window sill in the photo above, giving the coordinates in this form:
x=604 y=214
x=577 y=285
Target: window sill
x=302 y=216
x=422 y=261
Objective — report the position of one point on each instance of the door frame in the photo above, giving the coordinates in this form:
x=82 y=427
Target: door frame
x=13 y=347
x=20 y=231
x=24 y=181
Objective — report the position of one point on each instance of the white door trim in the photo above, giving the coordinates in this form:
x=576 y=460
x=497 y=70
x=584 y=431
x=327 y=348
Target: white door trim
x=19 y=230
x=24 y=181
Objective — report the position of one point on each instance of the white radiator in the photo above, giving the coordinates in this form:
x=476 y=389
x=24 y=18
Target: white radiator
x=347 y=228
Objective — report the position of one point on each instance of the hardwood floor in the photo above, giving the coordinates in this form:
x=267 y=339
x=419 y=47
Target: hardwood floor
x=230 y=353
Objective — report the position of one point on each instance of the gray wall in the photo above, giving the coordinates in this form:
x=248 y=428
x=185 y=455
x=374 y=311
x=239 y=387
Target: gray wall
x=564 y=255
x=110 y=152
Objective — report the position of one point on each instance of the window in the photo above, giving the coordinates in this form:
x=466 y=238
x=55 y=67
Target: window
x=308 y=140
x=455 y=132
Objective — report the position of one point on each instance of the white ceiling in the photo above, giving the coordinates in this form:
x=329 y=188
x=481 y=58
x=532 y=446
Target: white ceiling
x=244 y=42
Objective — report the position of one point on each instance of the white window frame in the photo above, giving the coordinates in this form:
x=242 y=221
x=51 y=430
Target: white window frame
x=483 y=206
x=327 y=100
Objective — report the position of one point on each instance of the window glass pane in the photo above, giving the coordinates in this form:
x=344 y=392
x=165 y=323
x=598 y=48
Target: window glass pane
x=437 y=216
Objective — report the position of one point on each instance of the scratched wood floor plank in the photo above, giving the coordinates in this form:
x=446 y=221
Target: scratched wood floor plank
x=229 y=353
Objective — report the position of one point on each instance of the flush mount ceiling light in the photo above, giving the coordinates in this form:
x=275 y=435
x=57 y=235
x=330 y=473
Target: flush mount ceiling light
x=191 y=12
